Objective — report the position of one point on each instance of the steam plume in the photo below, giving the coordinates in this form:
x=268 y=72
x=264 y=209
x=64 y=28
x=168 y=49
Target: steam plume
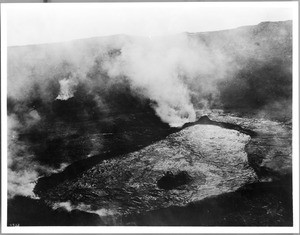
x=67 y=89
x=240 y=68
x=157 y=68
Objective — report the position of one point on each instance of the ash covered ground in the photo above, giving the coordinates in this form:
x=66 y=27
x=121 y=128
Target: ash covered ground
x=190 y=129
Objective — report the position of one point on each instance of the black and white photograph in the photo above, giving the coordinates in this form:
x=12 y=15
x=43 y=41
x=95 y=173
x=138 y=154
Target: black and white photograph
x=180 y=116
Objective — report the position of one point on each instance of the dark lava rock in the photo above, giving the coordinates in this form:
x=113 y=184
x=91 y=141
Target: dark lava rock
x=270 y=150
x=171 y=181
x=212 y=156
x=256 y=204
x=205 y=120
x=25 y=211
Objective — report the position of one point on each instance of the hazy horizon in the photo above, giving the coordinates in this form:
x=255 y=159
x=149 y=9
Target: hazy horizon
x=130 y=35
x=31 y=24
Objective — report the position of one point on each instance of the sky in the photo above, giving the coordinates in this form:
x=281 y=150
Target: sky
x=56 y=22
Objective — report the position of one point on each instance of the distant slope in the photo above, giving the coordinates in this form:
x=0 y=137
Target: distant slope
x=260 y=58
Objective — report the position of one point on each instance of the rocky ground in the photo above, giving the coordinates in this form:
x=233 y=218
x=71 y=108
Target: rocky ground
x=270 y=150
x=211 y=161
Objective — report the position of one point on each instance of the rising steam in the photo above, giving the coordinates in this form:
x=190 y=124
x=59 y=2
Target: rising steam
x=67 y=89
x=107 y=215
x=91 y=80
x=22 y=171
x=157 y=68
